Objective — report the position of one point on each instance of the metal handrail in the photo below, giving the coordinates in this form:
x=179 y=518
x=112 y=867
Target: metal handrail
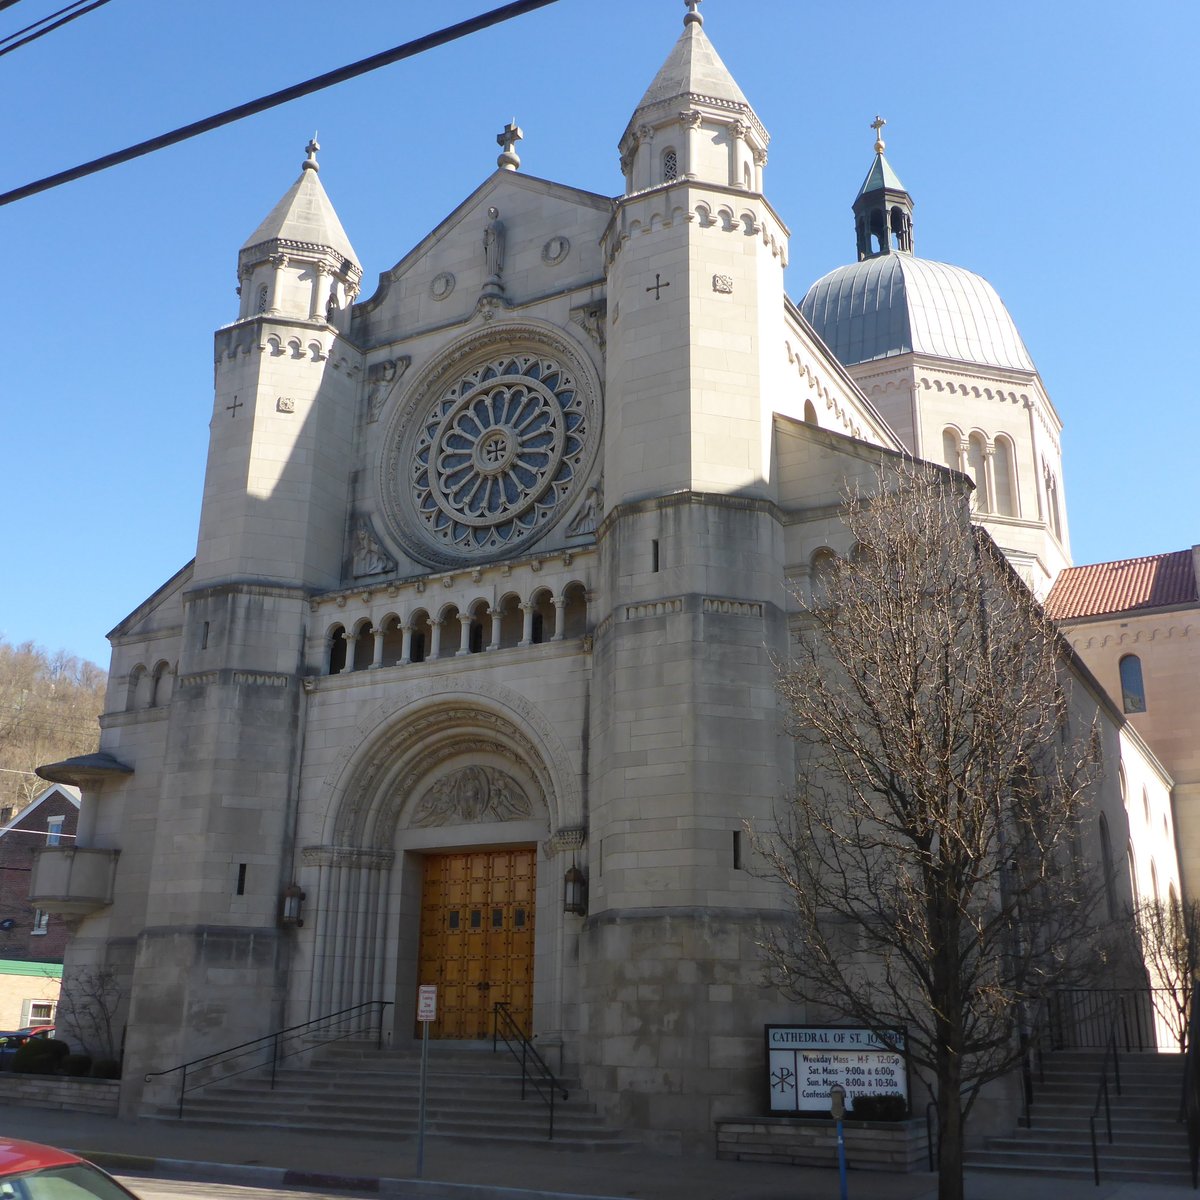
x=1031 y=1057
x=304 y=1031
x=931 y=1130
x=1102 y=1094
x=1191 y=1090
x=533 y=1066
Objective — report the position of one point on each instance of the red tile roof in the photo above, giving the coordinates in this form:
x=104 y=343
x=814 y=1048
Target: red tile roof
x=1155 y=581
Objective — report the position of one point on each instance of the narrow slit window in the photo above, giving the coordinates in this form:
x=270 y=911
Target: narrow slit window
x=1133 y=689
x=654 y=560
x=454 y=918
x=497 y=918
x=519 y=918
x=241 y=879
x=476 y=919
x=737 y=849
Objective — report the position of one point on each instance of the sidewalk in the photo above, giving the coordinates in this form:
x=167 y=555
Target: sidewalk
x=461 y=1171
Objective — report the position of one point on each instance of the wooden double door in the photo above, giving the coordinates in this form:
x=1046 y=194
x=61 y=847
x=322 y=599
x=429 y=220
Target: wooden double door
x=477 y=918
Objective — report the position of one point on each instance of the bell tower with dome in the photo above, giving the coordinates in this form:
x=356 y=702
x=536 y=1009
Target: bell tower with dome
x=935 y=350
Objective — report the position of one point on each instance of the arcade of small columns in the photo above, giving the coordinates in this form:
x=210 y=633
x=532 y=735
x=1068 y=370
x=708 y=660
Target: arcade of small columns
x=546 y=616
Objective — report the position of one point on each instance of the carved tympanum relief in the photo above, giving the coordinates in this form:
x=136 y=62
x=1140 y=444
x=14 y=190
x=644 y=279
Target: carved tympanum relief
x=471 y=795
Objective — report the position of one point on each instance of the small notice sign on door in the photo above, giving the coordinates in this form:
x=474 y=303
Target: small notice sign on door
x=427 y=1002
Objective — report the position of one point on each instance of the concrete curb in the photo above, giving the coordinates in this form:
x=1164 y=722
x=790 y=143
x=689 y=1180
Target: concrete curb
x=283 y=1178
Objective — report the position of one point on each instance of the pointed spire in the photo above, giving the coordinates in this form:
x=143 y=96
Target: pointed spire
x=694 y=68
x=883 y=207
x=305 y=214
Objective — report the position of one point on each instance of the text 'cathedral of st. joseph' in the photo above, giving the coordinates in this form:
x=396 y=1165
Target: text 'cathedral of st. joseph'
x=493 y=572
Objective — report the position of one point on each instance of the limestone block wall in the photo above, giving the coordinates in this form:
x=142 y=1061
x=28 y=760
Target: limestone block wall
x=1167 y=642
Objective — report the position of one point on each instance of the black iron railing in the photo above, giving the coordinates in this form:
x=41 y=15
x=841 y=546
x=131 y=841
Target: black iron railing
x=534 y=1072
x=1191 y=1091
x=1084 y=1018
x=267 y=1052
x=1102 y=1096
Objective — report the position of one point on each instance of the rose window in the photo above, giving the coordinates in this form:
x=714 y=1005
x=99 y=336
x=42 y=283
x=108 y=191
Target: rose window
x=496 y=455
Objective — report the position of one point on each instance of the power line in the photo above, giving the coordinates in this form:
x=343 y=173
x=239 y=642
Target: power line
x=408 y=50
x=33 y=37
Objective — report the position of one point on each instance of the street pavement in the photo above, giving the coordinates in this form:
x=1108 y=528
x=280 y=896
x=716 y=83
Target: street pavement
x=153 y=1153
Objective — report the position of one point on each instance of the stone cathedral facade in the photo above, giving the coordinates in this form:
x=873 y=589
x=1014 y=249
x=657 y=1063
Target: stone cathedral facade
x=493 y=570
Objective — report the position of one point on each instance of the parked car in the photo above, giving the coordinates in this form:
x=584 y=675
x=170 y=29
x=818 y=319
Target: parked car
x=10 y=1043
x=29 y=1171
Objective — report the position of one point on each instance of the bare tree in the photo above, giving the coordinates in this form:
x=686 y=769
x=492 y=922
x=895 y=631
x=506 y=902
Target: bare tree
x=49 y=705
x=87 y=1009
x=931 y=850
x=1168 y=935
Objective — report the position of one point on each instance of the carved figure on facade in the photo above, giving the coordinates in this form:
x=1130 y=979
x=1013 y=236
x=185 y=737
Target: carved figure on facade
x=370 y=558
x=588 y=517
x=471 y=795
x=382 y=378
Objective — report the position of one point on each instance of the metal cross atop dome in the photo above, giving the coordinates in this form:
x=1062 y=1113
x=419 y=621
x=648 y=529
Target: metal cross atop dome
x=310 y=163
x=506 y=140
x=878 y=125
x=693 y=16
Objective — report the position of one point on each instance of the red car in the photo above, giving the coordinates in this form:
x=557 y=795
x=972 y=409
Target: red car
x=32 y=1172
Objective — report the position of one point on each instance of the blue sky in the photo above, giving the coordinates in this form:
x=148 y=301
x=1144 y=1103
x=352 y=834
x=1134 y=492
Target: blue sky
x=1048 y=145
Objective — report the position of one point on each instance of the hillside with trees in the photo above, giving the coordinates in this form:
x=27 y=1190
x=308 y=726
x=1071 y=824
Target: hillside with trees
x=49 y=705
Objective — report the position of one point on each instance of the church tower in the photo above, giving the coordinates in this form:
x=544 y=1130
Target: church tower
x=272 y=532
x=938 y=354
x=684 y=746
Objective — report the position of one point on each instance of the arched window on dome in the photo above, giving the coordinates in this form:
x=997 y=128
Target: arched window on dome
x=977 y=467
x=1133 y=689
x=901 y=230
x=952 y=448
x=1005 y=477
x=810 y=413
x=670 y=165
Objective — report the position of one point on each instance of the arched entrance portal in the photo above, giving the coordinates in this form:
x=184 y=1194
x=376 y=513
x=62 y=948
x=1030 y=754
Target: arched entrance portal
x=438 y=867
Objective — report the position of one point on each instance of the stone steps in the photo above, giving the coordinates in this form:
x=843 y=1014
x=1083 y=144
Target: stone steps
x=472 y=1095
x=1149 y=1144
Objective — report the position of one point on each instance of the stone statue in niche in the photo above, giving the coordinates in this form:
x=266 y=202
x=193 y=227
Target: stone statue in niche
x=471 y=795
x=370 y=558
x=493 y=252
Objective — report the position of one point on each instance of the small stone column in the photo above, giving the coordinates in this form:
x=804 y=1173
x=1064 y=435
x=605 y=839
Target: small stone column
x=527 y=626
x=464 y=640
x=559 y=604
x=406 y=645
x=377 y=660
x=494 y=641
x=737 y=139
x=646 y=147
x=691 y=122
x=320 y=271
x=279 y=263
x=435 y=639
x=351 y=646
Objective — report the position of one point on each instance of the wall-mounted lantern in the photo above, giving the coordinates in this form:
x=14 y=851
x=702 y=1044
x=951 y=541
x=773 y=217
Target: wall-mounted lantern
x=289 y=906
x=575 y=891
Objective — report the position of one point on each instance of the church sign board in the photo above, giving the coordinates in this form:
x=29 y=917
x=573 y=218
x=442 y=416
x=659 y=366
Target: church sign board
x=805 y=1061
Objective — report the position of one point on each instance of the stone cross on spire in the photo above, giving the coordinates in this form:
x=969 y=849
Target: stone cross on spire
x=693 y=16
x=506 y=140
x=310 y=163
x=878 y=125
